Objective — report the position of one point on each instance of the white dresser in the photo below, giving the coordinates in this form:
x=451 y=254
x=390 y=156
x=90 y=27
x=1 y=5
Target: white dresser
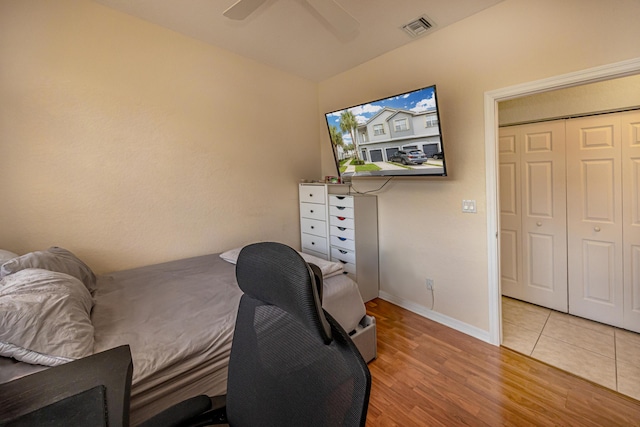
x=339 y=226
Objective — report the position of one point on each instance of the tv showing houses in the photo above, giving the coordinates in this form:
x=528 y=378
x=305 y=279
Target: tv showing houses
x=398 y=135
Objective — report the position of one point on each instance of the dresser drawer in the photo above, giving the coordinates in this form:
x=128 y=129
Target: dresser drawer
x=343 y=255
x=341 y=211
x=347 y=233
x=316 y=254
x=341 y=221
x=313 y=226
x=349 y=267
x=345 y=201
x=314 y=243
x=342 y=242
x=312 y=194
x=313 y=211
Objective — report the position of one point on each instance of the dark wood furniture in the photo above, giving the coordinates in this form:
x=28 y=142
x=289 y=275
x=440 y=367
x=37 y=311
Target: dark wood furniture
x=94 y=390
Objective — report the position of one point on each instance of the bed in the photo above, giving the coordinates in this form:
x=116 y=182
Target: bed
x=178 y=318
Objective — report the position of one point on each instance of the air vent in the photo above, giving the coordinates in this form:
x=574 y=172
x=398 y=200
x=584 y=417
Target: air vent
x=418 y=27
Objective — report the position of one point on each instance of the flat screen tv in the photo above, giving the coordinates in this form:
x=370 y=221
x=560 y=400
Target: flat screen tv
x=396 y=136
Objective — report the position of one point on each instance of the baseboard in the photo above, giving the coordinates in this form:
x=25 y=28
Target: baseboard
x=437 y=317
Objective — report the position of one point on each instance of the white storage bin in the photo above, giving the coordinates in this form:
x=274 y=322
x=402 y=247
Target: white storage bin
x=365 y=338
x=314 y=243
x=341 y=221
x=350 y=269
x=345 y=201
x=341 y=211
x=312 y=194
x=343 y=232
x=313 y=211
x=343 y=255
x=312 y=226
x=342 y=242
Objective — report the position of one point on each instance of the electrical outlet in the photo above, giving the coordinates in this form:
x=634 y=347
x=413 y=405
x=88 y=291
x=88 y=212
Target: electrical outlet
x=429 y=284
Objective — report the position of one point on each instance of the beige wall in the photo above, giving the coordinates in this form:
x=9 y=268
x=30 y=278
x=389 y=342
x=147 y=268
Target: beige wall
x=423 y=232
x=130 y=144
x=610 y=95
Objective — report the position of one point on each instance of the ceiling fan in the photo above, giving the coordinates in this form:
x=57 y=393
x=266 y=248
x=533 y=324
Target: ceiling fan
x=326 y=11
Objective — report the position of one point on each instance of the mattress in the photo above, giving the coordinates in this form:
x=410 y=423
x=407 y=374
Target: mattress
x=178 y=318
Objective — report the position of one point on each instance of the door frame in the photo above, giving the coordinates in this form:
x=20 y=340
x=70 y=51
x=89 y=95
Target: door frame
x=491 y=99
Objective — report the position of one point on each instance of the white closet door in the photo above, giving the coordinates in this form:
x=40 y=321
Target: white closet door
x=594 y=218
x=631 y=217
x=544 y=214
x=510 y=213
x=540 y=204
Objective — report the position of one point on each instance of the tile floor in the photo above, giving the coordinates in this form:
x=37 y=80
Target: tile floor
x=600 y=353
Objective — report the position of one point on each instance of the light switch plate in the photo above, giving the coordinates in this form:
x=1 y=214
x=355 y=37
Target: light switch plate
x=469 y=206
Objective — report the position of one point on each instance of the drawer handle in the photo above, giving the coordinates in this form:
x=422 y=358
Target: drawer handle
x=341 y=218
x=342 y=228
x=313 y=243
x=341 y=207
x=344 y=262
x=342 y=238
x=310 y=195
x=311 y=211
x=342 y=252
x=313 y=227
x=340 y=197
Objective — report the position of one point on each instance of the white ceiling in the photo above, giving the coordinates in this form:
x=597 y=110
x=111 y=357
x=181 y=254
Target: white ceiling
x=287 y=35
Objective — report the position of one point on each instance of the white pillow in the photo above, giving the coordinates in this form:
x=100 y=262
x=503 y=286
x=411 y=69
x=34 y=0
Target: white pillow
x=6 y=256
x=45 y=317
x=328 y=268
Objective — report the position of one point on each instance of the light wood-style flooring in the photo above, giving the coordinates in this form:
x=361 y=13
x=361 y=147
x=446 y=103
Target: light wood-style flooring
x=427 y=374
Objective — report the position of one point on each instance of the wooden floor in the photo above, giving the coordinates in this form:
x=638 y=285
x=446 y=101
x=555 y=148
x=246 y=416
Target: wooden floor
x=427 y=374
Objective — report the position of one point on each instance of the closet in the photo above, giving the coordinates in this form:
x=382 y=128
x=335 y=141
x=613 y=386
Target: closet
x=570 y=216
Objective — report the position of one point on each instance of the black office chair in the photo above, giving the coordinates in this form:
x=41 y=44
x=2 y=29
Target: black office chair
x=291 y=363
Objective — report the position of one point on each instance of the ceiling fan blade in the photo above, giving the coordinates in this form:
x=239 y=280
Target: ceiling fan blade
x=242 y=8
x=335 y=15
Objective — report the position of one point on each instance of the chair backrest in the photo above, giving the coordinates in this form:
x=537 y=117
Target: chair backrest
x=291 y=363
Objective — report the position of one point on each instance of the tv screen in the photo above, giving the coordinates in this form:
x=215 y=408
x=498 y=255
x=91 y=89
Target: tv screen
x=395 y=136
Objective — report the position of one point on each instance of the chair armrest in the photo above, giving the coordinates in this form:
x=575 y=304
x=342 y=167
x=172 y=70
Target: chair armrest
x=317 y=272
